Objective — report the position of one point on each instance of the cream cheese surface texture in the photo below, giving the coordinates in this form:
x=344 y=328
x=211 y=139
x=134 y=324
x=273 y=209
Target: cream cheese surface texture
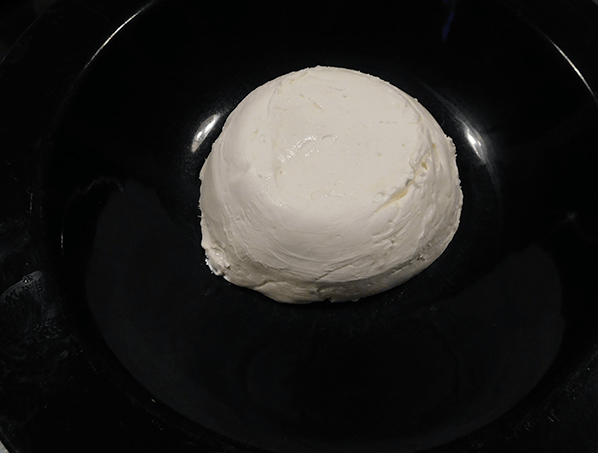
x=328 y=184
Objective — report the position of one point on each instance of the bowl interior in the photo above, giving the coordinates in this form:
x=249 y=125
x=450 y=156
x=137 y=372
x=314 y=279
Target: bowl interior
x=479 y=337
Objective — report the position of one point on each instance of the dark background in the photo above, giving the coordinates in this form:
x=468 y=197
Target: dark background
x=87 y=396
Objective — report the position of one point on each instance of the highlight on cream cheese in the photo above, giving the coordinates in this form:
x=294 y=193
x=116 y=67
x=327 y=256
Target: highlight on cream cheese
x=328 y=184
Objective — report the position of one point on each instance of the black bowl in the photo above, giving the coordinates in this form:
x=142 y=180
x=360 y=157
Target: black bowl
x=115 y=335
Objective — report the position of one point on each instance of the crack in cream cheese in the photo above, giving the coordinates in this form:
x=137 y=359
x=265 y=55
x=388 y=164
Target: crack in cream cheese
x=328 y=183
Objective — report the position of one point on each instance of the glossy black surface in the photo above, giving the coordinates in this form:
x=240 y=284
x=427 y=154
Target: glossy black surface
x=114 y=334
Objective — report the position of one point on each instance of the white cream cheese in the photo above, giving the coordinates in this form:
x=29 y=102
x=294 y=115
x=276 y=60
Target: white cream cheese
x=328 y=183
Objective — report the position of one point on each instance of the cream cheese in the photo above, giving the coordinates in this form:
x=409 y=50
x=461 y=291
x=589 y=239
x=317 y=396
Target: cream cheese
x=328 y=183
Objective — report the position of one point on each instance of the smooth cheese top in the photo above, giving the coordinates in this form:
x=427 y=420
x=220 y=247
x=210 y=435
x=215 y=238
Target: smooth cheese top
x=328 y=183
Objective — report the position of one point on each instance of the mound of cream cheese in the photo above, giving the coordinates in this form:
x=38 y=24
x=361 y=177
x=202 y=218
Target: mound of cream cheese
x=328 y=183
